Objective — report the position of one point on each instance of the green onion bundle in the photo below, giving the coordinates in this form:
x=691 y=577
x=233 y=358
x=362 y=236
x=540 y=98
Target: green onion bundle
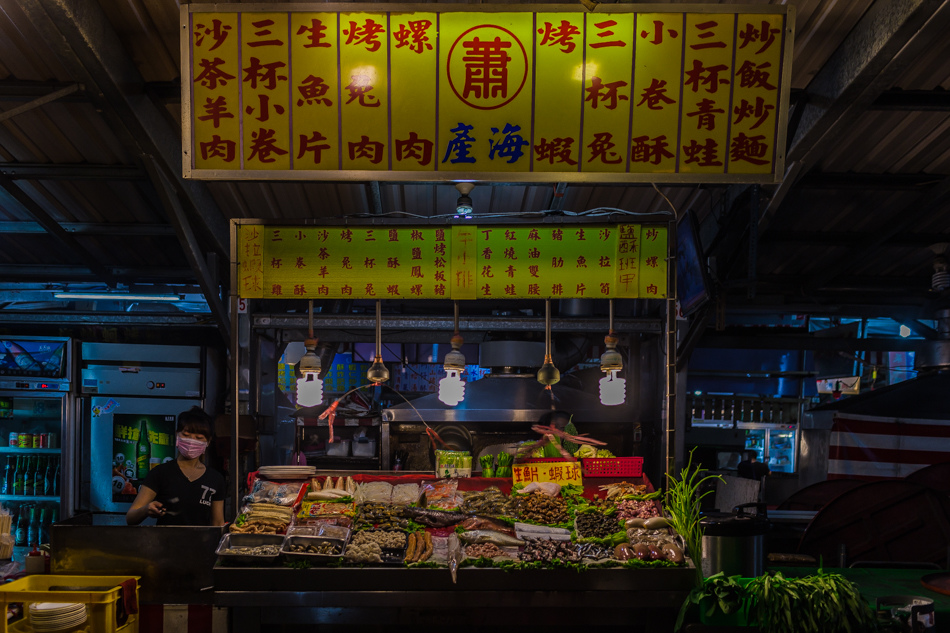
x=488 y=465
x=682 y=504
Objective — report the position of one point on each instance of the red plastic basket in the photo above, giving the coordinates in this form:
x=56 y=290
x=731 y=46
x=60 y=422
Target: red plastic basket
x=613 y=467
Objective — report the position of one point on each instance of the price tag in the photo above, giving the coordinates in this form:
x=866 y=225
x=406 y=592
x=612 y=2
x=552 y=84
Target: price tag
x=242 y=305
x=557 y=472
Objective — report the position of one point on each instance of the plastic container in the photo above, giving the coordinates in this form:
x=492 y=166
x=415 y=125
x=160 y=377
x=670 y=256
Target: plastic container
x=340 y=448
x=364 y=449
x=613 y=467
x=99 y=593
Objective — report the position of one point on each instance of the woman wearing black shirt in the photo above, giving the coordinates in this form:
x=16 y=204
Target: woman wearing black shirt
x=183 y=491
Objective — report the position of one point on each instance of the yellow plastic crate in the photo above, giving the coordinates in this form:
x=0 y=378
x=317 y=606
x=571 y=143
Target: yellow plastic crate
x=98 y=593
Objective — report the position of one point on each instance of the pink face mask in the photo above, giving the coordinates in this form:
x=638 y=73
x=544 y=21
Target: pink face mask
x=189 y=448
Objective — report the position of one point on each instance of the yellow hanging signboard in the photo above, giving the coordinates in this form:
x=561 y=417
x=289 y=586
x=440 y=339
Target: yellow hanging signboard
x=634 y=93
x=461 y=262
x=562 y=473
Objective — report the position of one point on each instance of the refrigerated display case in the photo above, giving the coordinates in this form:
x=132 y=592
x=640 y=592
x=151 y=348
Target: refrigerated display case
x=36 y=428
x=774 y=444
x=132 y=395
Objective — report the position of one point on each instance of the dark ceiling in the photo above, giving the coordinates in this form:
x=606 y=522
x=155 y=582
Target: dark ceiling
x=91 y=190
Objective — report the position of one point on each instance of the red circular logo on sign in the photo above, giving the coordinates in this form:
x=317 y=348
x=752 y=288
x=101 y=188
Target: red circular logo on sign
x=483 y=65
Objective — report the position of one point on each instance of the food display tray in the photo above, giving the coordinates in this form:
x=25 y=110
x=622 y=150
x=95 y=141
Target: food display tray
x=248 y=540
x=309 y=557
x=393 y=556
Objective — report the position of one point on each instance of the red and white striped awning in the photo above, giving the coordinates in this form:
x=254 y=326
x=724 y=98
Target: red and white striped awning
x=874 y=448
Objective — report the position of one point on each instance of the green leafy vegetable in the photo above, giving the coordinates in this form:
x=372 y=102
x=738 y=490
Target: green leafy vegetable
x=568 y=445
x=488 y=465
x=682 y=503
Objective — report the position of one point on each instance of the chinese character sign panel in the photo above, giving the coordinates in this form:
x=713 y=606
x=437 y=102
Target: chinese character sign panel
x=563 y=94
x=562 y=473
x=461 y=262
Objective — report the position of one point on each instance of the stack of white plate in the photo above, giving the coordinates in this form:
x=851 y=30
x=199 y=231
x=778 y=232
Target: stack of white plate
x=56 y=616
x=287 y=472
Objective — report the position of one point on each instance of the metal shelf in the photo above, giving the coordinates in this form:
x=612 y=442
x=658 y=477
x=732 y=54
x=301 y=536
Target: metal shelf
x=32 y=451
x=29 y=498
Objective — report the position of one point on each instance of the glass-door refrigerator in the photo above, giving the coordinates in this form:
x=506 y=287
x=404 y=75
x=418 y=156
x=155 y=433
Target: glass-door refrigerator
x=36 y=428
x=132 y=395
x=774 y=444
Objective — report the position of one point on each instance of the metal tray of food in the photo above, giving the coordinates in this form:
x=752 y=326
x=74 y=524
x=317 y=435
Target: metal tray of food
x=248 y=543
x=314 y=549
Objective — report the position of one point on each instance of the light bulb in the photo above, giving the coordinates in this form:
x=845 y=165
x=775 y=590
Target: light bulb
x=309 y=390
x=451 y=388
x=377 y=372
x=613 y=390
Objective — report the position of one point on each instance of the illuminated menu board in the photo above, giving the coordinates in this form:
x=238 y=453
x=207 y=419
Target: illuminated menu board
x=642 y=92
x=459 y=262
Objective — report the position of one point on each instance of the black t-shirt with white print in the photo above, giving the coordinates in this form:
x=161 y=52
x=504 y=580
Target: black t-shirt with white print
x=186 y=502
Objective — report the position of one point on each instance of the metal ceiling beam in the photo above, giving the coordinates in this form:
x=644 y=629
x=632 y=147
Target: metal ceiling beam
x=40 y=101
x=66 y=272
x=89 y=228
x=913 y=101
x=911 y=215
x=15 y=90
x=100 y=318
x=882 y=44
x=747 y=340
x=446 y=324
x=51 y=171
x=80 y=35
x=851 y=180
x=10 y=193
x=841 y=239
x=209 y=287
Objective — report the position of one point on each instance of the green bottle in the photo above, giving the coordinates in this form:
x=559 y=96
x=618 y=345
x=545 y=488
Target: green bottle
x=39 y=476
x=18 y=477
x=143 y=452
x=28 y=477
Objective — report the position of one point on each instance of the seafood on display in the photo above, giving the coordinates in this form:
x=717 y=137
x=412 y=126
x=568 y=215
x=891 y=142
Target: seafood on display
x=624 y=489
x=434 y=518
x=484 y=550
x=540 y=508
x=419 y=548
x=489 y=536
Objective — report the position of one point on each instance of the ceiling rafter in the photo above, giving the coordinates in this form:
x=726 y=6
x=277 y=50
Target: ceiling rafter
x=80 y=34
x=65 y=171
x=883 y=43
x=15 y=195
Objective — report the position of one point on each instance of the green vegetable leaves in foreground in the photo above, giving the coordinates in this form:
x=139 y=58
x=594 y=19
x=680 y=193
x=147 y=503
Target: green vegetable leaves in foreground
x=821 y=603
x=682 y=503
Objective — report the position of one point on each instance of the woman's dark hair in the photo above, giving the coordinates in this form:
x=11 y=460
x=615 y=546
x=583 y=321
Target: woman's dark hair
x=195 y=420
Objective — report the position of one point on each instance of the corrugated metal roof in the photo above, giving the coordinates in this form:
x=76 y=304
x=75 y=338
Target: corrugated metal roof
x=59 y=139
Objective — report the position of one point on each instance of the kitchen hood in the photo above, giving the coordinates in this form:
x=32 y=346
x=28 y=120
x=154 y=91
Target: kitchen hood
x=511 y=393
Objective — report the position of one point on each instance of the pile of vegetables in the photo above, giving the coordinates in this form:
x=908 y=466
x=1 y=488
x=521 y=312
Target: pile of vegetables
x=822 y=603
x=682 y=504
